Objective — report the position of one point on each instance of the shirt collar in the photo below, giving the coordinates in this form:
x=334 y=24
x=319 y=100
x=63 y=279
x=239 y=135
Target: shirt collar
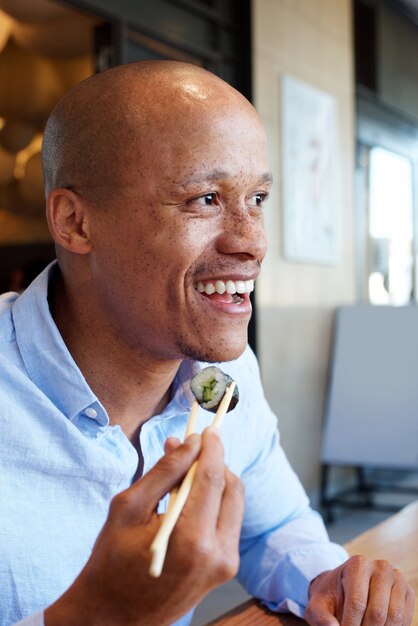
x=45 y=355
x=54 y=371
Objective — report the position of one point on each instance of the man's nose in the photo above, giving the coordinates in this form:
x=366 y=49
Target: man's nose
x=244 y=234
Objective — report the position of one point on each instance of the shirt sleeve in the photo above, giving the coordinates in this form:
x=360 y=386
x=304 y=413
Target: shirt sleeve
x=284 y=544
x=37 y=619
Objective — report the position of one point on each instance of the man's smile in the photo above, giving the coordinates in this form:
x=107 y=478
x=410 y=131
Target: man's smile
x=226 y=291
x=229 y=286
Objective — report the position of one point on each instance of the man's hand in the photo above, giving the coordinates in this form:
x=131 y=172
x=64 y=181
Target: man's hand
x=360 y=592
x=114 y=588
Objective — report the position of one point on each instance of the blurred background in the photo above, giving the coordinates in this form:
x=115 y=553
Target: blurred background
x=336 y=84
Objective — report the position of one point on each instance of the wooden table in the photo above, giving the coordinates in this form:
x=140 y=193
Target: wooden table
x=395 y=540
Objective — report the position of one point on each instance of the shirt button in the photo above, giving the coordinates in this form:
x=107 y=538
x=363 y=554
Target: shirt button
x=91 y=412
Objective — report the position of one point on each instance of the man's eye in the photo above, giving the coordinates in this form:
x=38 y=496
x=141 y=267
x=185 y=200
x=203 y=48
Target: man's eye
x=258 y=199
x=208 y=199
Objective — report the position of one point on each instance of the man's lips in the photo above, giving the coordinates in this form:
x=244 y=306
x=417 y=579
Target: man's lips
x=224 y=296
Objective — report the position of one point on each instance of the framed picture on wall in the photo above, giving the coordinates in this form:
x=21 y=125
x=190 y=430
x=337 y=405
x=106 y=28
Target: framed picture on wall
x=310 y=173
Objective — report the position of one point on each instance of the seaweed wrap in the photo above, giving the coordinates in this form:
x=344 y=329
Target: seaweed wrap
x=208 y=387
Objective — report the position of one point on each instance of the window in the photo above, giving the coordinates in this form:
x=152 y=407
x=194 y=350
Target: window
x=390 y=228
x=387 y=205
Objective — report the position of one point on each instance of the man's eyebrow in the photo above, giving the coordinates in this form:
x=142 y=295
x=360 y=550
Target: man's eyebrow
x=209 y=177
x=217 y=175
x=267 y=178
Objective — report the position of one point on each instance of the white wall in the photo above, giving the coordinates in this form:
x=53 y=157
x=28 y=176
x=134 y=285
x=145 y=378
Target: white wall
x=310 y=40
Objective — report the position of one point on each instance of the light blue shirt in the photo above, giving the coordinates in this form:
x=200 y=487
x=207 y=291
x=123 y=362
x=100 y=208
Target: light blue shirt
x=61 y=463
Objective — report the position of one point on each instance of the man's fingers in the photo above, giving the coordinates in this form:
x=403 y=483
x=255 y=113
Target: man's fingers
x=389 y=603
x=203 y=505
x=232 y=508
x=396 y=609
x=139 y=502
x=361 y=592
x=230 y=521
x=375 y=595
x=381 y=594
x=356 y=582
x=172 y=443
x=409 y=605
x=209 y=527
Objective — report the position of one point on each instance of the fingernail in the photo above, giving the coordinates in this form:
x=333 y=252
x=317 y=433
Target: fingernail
x=172 y=441
x=193 y=438
x=213 y=432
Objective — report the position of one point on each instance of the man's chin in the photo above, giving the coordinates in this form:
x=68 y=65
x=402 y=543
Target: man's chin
x=221 y=353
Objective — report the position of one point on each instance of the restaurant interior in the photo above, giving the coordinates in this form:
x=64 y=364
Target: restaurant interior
x=336 y=85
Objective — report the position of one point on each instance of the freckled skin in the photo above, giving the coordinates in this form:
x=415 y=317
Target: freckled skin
x=151 y=236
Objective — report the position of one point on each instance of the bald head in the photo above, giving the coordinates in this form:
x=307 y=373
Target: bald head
x=92 y=133
x=156 y=176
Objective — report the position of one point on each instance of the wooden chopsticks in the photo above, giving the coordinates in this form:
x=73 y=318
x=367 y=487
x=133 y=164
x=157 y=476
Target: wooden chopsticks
x=179 y=496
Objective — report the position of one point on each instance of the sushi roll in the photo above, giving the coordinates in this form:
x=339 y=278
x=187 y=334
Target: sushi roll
x=208 y=387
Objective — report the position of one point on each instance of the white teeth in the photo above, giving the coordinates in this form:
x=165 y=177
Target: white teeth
x=209 y=289
x=230 y=286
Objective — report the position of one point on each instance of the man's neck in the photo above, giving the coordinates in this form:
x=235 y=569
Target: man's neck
x=131 y=394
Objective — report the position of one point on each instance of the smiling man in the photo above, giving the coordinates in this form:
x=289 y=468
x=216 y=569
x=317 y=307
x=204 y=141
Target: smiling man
x=156 y=174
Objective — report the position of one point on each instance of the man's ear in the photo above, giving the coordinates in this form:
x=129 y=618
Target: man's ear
x=68 y=222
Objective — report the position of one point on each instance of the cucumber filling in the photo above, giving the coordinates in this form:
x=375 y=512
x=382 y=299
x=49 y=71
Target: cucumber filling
x=209 y=390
